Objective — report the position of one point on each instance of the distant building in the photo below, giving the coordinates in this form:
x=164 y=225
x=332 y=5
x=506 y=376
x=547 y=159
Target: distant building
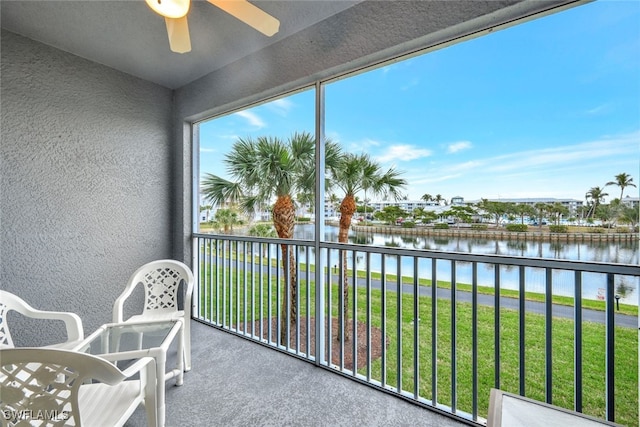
x=406 y=205
x=632 y=202
x=457 y=201
x=572 y=204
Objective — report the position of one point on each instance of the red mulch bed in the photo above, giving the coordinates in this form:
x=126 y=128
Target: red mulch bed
x=348 y=353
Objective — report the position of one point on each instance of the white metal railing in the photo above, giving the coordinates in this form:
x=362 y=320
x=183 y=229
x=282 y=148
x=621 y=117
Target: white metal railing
x=443 y=347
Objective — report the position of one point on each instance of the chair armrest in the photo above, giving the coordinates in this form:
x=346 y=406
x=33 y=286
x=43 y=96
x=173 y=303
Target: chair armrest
x=189 y=284
x=118 y=305
x=144 y=362
x=72 y=321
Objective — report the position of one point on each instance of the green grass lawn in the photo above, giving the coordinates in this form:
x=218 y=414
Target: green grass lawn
x=631 y=310
x=232 y=299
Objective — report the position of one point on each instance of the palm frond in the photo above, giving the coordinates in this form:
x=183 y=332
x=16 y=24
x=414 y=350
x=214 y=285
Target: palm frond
x=219 y=191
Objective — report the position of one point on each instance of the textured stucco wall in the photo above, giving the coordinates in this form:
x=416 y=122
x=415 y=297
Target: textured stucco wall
x=85 y=190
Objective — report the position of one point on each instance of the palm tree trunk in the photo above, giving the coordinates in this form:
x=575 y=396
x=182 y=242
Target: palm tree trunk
x=347 y=209
x=284 y=221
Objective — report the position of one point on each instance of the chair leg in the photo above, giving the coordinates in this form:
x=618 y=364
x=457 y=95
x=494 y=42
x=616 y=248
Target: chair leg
x=186 y=348
x=150 y=400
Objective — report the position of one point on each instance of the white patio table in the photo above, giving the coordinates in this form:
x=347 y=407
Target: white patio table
x=118 y=342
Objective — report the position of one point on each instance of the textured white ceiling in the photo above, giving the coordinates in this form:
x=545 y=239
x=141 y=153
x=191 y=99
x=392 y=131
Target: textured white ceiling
x=127 y=35
x=316 y=35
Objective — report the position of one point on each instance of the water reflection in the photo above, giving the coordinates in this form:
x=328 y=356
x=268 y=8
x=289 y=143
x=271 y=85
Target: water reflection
x=563 y=281
x=622 y=253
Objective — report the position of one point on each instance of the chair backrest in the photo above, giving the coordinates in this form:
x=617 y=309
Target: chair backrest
x=161 y=280
x=8 y=302
x=43 y=384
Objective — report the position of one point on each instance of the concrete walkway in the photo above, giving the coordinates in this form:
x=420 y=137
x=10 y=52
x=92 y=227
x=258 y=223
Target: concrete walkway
x=563 y=311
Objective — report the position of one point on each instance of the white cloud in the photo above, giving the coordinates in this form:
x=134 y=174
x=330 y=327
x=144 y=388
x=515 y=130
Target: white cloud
x=551 y=158
x=561 y=171
x=252 y=118
x=362 y=146
x=468 y=166
x=410 y=84
x=432 y=179
x=600 y=109
x=455 y=147
x=403 y=152
x=280 y=106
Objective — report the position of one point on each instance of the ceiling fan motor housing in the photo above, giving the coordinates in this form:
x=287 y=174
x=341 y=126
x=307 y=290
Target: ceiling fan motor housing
x=170 y=8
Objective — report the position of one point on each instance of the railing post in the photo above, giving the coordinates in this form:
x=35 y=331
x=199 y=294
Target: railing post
x=319 y=224
x=577 y=345
x=610 y=352
x=548 y=341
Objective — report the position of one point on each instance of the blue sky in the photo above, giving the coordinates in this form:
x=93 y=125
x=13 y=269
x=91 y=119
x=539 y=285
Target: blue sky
x=549 y=108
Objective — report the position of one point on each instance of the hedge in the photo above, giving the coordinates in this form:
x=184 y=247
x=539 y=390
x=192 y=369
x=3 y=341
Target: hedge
x=479 y=227
x=517 y=227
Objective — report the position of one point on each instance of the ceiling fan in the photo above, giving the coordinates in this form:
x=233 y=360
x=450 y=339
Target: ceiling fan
x=175 y=17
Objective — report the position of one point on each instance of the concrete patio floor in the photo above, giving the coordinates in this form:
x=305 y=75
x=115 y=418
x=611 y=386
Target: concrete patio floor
x=234 y=382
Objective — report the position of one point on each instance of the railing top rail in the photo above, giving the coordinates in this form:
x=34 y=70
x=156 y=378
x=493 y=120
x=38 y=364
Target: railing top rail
x=588 y=266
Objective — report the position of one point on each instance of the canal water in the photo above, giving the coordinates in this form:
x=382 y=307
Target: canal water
x=593 y=286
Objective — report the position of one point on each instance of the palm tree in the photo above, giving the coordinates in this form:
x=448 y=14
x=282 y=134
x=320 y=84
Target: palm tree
x=427 y=197
x=629 y=215
x=557 y=210
x=354 y=173
x=541 y=209
x=438 y=199
x=492 y=209
x=263 y=230
x=226 y=219
x=623 y=180
x=522 y=210
x=596 y=195
x=261 y=169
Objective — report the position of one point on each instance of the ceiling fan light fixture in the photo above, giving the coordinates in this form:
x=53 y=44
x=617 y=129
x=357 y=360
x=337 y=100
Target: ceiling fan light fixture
x=170 y=8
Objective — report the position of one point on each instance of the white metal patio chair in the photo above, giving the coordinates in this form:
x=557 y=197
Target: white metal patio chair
x=161 y=280
x=9 y=301
x=53 y=387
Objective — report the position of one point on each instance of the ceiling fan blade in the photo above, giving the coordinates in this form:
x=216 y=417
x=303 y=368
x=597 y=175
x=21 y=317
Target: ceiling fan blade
x=250 y=15
x=178 y=32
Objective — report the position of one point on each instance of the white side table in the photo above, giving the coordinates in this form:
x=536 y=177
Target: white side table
x=126 y=341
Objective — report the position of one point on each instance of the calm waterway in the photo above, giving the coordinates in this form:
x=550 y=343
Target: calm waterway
x=563 y=281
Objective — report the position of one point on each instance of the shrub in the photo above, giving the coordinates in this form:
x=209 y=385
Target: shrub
x=517 y=227
x=596 y=230
x=408 y=224
x=441 y=226
x=303 y=219
x=558 y=229
x=479 y=226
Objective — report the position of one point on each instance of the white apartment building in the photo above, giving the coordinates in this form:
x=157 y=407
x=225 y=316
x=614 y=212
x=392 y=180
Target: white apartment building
x=572 y=204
